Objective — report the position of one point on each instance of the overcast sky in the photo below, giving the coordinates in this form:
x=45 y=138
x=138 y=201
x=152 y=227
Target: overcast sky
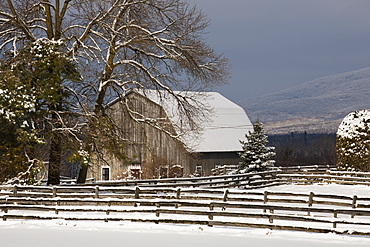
x=276 y=44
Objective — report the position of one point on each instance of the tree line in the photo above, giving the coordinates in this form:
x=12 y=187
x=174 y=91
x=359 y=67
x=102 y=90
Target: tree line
x=295 y=149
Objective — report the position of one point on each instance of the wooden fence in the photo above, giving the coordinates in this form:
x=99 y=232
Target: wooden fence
x=312 y=169
x=102 y=192
x=202 y=206
x=251 y=180
x=276 y=176
x=208 y=201
x=330 y=176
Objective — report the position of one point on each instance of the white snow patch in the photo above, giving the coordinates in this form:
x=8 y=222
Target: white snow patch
x=354 y=124
x=79 y=234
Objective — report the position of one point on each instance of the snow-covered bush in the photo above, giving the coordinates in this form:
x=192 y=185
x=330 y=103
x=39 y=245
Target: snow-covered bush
x=256 y=156
x=353 y=142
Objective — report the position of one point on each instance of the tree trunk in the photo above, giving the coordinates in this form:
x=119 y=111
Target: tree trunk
x=54 y=160
x=55 y=155
x=83 y=174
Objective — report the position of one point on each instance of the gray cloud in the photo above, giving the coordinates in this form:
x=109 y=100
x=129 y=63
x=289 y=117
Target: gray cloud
x=275 y=44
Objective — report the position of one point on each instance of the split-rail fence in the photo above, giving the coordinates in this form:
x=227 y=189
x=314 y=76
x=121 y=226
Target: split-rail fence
x=207 y=203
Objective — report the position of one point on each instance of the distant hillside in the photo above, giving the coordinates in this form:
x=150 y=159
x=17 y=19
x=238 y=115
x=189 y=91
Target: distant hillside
x=317 y=106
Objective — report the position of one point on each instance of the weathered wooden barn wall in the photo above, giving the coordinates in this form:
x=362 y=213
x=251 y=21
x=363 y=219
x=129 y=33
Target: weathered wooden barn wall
x=147 y=147
x=211 y=160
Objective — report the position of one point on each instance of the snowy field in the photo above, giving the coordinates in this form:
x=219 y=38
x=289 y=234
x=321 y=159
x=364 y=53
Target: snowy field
x=57 y=233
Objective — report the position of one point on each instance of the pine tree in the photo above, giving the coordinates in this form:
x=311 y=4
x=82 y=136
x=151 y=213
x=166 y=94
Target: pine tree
x=256 y=156
x=31 y=86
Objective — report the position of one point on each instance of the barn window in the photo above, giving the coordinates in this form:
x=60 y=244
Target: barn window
x=105 y=171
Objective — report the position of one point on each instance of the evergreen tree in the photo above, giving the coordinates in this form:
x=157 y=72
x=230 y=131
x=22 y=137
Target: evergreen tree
x=353 y=142
x=256 y=156
x=31 y=85
x=16 y=136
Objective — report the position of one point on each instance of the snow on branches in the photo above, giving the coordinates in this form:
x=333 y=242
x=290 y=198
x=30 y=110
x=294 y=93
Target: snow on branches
x=104 y=49
x=353 y=142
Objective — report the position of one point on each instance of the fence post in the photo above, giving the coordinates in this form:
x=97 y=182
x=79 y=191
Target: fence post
x=54 y=191
x=225 y=195
x=137 y=192
x=96 y=191
x=178 y=193
x=354 y=205
x=15 y=190
x=310 y=199
x=354 y=201
x=265 y=199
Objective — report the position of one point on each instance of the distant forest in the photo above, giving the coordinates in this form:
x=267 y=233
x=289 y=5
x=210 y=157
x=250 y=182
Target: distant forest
x=298 y=149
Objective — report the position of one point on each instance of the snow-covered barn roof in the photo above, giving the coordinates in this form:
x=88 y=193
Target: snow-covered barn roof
x=227 y=124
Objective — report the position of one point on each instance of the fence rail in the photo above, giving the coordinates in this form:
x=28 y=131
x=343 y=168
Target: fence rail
x=253 y=180
x=208 y=201
x=277 y=176
x=232 y=208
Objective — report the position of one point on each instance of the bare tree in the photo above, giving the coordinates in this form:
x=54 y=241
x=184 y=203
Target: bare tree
x=119 y=45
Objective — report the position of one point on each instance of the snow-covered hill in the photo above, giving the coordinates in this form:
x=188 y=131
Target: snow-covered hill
x=315 y=106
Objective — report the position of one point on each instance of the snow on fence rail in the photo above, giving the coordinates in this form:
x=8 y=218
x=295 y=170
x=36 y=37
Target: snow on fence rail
x=276 y=176
x=307 y=169
x=275 y=210
x=153 y=201
x=279 y=175
x=337 y=177
x=253 y=180
x=69 y=193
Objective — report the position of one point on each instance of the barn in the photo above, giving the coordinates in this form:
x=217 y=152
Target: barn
x=155 y=153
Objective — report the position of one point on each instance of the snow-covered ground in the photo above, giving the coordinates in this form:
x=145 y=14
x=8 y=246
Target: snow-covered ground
x=21 y=233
